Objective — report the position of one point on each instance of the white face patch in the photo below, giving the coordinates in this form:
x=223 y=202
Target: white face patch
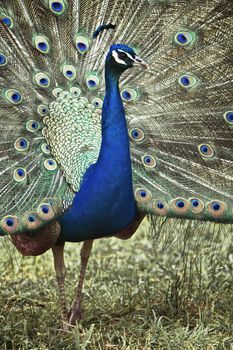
x=117 y=59
x=136 y=60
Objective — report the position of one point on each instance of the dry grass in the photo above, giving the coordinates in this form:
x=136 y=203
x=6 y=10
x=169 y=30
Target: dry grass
x=137 y=296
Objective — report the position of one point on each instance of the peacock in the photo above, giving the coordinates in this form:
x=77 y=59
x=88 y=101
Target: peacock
x=111 y=111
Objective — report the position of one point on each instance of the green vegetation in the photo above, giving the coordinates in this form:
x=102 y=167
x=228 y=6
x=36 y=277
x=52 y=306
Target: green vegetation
x=138 y=294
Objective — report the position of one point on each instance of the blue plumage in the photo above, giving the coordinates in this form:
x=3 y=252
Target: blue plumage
x=111 y=176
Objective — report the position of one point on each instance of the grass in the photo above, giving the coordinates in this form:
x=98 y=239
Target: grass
x=138 y=295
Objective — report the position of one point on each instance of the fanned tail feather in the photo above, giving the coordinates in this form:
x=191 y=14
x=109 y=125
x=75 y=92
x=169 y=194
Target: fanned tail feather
x=180 y=125
x=179 y=113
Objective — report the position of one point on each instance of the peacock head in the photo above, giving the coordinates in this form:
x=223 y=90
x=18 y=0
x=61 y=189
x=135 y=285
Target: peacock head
x=121 y=57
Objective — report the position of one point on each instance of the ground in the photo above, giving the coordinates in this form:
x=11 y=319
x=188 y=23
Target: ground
x=142 y=294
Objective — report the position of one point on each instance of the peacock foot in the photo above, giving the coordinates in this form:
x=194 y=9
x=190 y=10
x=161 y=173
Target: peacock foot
x=75 y=314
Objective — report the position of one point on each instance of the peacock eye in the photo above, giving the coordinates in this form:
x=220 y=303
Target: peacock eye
x=42 y=80
x=20 y=174
x=58 y=7
x=31 y=221
x=69 y=72
x=41 y=44
x=56 y=92
x=21 y=144
x=13 y=96
x=32 y=125
x=149 y=161
x=75 y=91
x=188 y=81
x=197 y=206
x=6 y=20
x=143 y=195
x=122 y=55
x=45 y=149
x=160 y=207
x=31 y=218
x=216 y=208
x=206 y=150
x=136 y=134
x=180 y=205
x=184 y=38
x=42 y=110
x=97 y=102
x=50 y=164
x=195 y=203
x=9 y=224
x=92 y=81
x=45 y=211
x=82 y=43
x=228 y=116
x=129 y=94
x=3 y=60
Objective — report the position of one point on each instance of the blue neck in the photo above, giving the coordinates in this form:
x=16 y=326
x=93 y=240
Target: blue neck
x=105 y=203
x=115 y=140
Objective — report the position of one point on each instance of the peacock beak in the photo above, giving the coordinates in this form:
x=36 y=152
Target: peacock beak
x=139 y=61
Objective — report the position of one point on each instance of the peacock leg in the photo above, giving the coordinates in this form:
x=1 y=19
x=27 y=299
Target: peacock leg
x=59 y=265
x=75 y=313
